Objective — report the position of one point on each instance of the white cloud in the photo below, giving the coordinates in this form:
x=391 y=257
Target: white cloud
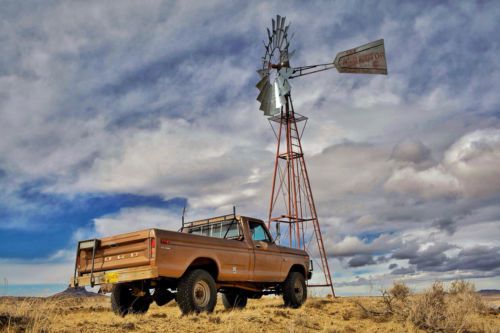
x=429 y=183
x=469 y=167
x=474 y=159
x=352 y=245
x=133 y=219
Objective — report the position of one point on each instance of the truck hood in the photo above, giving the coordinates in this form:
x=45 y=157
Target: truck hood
x=285 y=249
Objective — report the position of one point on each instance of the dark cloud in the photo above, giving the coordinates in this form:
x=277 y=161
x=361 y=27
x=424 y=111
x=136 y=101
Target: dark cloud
x=392 y=266
x=434 y=258
x=361 y=260
x=407 y=250
x=478 y=258
x=403 y=271
x=447 y=225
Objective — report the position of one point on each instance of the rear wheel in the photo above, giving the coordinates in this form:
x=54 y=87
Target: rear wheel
x=234 y=300
x=294 y=290
x=140 y=304
x=121 y=299
x=196 y=292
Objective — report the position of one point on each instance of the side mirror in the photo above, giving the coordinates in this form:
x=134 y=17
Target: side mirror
x=278 y=233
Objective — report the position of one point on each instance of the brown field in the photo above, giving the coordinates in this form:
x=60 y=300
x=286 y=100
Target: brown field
x=343 y=314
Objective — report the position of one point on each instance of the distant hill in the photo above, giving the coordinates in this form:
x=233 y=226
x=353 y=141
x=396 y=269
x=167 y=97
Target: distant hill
x=489 y=292
x=76 y=292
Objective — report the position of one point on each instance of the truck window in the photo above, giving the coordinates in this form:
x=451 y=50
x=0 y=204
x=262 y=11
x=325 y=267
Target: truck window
x=258 y=232
x=218 y=230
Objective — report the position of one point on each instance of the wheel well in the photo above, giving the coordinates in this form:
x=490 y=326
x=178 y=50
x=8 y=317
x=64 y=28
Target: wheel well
x=298 y=268
x=207 y=264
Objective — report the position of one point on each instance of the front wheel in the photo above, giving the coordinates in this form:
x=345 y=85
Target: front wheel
x=294 y=290
x=196 y=292
x=234 y=300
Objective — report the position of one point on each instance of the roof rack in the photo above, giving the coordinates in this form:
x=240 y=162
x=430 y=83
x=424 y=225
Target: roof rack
x=203 y=222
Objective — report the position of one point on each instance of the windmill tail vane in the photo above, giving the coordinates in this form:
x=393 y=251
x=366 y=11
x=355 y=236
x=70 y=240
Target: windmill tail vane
x=291 y=203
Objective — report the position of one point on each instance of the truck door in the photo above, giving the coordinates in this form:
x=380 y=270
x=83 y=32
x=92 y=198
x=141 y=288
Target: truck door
x=267 y=256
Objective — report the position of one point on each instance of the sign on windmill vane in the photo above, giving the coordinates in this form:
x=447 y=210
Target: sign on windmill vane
x=365 y=59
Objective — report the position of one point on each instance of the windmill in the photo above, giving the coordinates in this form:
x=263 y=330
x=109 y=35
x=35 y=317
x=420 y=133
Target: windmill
x=292 y=203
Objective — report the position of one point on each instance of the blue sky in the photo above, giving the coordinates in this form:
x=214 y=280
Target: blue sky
x=113 y=115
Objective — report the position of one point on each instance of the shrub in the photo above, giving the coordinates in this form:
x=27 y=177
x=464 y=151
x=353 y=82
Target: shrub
x=438 y=311
x=435 y=310
x=428 y=310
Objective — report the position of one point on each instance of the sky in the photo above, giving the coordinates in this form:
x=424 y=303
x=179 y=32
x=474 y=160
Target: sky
x=116 y=114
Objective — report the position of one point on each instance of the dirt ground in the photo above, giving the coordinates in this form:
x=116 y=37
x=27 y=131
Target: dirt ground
x=93 y=314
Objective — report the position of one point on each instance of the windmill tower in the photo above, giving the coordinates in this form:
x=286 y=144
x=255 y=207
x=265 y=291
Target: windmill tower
x=292 y=203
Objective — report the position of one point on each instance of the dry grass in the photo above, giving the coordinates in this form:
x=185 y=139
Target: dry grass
x=458 y=309
x=264 y=315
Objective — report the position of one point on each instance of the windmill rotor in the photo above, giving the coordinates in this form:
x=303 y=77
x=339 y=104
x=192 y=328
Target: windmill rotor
x=275 y=72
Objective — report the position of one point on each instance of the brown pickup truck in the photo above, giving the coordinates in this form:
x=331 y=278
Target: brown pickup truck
x=231 y=254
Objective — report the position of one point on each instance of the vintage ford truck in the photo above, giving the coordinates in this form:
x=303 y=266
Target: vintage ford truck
x=234 y=255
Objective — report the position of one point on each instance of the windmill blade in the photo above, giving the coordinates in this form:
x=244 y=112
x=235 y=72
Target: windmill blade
x=282 y=79
x=282 y=31
x=262 y=83
x=277 y=94
x=264 y=94
x=284 y=56
x=364 y=59
x=268 y=105
x=278 y=30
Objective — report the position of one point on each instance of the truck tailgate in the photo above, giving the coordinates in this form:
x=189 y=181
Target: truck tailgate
x=125 y=250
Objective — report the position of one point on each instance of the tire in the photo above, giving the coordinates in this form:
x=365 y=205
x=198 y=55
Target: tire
x=234 y=300
x=140 y=305
x=121 y=299
x=162 y=296
x=196 y=292
x=294 y=290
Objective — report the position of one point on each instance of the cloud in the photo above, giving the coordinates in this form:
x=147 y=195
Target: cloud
x=403 y=271
x=411 y=151
x=132 y=219
x=474 y=159
x=352 y=246
x=361 y=260
x=446 y=224
x=431 y=183
x=468 y=168
x=349 y=168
